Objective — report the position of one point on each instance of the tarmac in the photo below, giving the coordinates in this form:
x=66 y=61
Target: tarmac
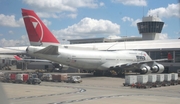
x=93 y=90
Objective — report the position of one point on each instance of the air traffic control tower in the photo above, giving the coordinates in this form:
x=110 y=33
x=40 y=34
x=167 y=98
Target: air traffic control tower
x=150 y=28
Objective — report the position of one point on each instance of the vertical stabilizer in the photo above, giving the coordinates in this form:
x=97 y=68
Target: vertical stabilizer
x=17 y=58
x=37 y=32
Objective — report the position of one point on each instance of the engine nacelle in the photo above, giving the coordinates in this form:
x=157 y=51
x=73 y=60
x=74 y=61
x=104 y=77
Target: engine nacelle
x=145 y=69
x=157 y=68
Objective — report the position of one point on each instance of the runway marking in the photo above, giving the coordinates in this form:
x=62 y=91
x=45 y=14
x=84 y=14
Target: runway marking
x=112 y=96
x=80 y=90
x=164 y=90
x=101 y=86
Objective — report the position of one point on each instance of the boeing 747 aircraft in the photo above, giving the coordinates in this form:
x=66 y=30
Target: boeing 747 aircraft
x=100 y=61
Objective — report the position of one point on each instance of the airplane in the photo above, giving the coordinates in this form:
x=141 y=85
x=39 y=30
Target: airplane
x=100 y=61
x=39 y=34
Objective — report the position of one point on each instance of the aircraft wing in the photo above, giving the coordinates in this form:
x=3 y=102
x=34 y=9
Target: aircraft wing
x=142 y=62
x=131 y=64
x=36 y=60
x=29 y=60
x=51 y=50
x=135 y=64
x=9 y=51
x=151 y=61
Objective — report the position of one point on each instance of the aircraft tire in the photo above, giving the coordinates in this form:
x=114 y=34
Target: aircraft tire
x=120 y=73
x=107 y=73
x=98 y=73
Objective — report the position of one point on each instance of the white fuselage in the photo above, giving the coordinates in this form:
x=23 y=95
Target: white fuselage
x=91 y=60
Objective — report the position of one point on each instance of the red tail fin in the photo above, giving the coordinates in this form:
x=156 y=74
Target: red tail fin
x=170 y=56
x=37 y=32
x=17 y=57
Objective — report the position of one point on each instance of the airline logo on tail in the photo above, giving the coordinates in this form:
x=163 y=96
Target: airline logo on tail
x=38 y=29
x=38 y=33
x=17 y=57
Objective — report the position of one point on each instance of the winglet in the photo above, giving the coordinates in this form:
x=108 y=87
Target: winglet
x=17 y=57
x=37 y=31
x=169 y=56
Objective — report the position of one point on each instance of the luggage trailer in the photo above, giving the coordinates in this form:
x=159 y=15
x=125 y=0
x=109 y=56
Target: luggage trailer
x=151 y=80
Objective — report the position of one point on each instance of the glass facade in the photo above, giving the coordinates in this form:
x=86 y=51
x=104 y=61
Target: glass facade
x=160 y=54
x=177 y=56
x=150 y=27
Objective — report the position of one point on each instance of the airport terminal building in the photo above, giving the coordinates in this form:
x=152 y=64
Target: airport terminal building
x=150 y=28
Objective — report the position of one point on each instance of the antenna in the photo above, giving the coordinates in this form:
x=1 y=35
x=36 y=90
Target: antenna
x=179 y=13
x=143 y=11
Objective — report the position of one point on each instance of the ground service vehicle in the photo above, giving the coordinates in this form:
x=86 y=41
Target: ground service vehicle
x=33 y=79
x=21 y=78
x=74 y=79
x=13 y=77
x=46 y=77
x=59 y=77
x=151 y=80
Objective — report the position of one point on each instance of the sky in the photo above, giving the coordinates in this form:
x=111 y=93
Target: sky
x=78 y=19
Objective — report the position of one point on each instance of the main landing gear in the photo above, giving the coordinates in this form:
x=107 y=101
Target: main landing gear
x=115 y=72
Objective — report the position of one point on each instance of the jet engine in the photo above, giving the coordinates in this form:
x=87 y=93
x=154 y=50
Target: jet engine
x=145 y=69
x=157 y=68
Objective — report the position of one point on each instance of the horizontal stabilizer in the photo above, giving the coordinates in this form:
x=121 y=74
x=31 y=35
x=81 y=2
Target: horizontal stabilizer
x=50 y=50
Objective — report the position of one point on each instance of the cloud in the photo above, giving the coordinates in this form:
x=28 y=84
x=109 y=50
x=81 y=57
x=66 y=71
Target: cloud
x=113 y=37
x=163 y=36
x=124 y=19
x=61 y=5
x=177 y=33
x=134 y=22
x=54 y=15
x=1 y=34
x=9 y=21
x=47 y=15
x=90 y=28
x=54 y=8
x=129 y=19
x=172 y=10
x=73 y=15
x=10 y=32
x=23 y=41
x=101 y=4
x=46 y=22
x=132 y=2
